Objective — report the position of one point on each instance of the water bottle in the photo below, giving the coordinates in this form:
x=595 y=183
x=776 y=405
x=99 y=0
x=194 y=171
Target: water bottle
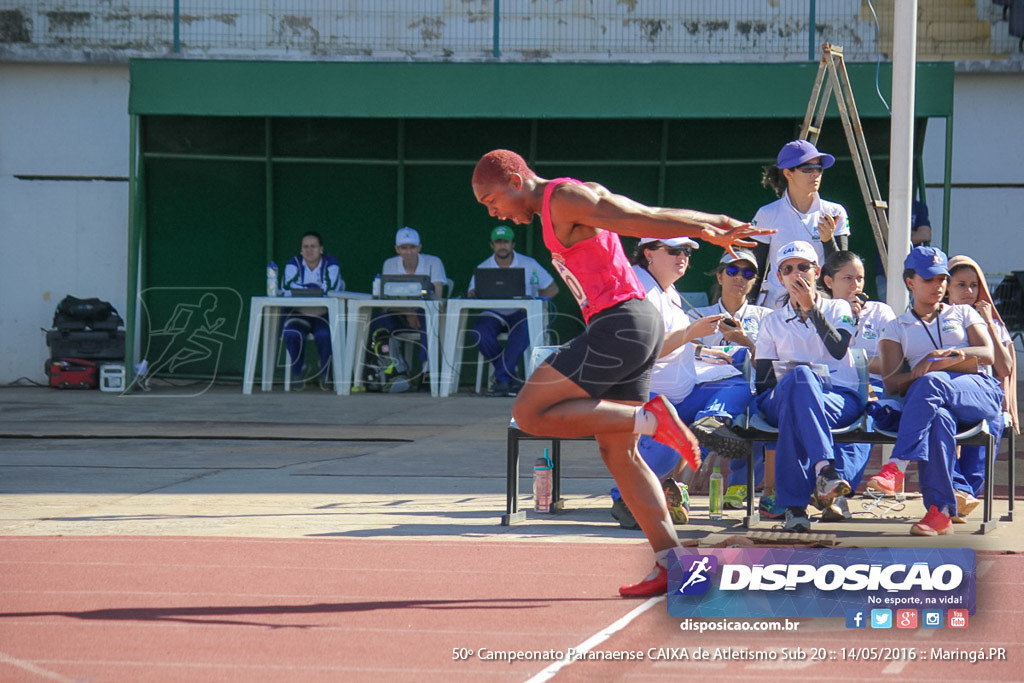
x=534 y=289
x=542 y=470
x=715 y=495
x=272 y=279
x=376 y=287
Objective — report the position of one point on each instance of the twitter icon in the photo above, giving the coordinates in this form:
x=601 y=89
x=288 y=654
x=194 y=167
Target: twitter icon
x=881 y=618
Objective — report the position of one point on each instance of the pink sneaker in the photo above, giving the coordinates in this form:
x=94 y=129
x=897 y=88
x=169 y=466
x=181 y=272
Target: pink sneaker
x=889 y=480
x=656 y=583
x=672 y=432
x=933 y=524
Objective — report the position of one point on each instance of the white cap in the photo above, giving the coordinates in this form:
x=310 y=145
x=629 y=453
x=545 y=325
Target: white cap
x=741 y=255
x=672 y=242
x=407 y=236
x=798 y=249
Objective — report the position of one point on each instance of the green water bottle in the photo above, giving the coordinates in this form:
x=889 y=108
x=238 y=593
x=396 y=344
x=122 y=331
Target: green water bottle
x=715 y=495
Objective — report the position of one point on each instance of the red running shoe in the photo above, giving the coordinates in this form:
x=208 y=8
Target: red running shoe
x=656 y=583
x=889 y=480
x=672 y=432
x=933 y=524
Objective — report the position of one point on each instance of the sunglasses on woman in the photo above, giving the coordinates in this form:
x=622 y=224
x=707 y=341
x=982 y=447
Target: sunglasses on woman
x=733 y=271
x=803 y=267
x=676 y=251
x=810 y=168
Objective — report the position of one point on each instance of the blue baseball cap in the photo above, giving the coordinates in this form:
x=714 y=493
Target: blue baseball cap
x=799 y=152
x=927 y=262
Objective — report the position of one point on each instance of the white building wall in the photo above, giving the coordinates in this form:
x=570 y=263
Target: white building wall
x=988 y=152
x=59 y=236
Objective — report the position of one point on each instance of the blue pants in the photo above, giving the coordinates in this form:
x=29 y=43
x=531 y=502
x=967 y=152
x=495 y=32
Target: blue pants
x=934 y=405
x=505 y=360
x=723 y=398
x=805 y=412
x=969 y=471
x=296 y=327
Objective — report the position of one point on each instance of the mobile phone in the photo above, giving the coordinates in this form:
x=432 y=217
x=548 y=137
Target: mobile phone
x=730 y=322
x=862 y=296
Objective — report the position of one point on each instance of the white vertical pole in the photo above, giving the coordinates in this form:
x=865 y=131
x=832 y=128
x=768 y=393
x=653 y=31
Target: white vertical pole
x=901 y=148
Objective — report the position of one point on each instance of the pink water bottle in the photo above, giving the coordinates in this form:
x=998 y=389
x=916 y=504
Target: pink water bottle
x=542 y=483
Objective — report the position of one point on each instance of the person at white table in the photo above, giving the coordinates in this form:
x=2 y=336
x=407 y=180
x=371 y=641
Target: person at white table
x=490 y=324
x=410 y=261
x=311 y=269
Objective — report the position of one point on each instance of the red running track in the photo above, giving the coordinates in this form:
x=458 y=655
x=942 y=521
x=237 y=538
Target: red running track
x=160 y=609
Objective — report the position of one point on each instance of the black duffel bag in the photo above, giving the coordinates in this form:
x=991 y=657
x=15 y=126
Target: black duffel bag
x=75 y=314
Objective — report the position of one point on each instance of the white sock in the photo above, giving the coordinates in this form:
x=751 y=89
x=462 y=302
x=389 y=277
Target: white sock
x=902 y=464
x=661 y=557
x=644 y=422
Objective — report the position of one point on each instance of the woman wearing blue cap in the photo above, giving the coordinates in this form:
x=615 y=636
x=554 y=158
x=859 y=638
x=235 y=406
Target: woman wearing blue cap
x=807 y=384
x=799 y=214
x=944 y=346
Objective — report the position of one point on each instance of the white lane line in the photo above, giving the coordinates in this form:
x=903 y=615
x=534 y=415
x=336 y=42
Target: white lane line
x=33 y=669
x=590 y=643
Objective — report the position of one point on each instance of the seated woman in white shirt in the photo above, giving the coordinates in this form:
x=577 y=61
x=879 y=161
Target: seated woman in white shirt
x=967 y=286
x=818 y=392
x=741 y=321
x=938 y=342
x=842 y=277
x=659 y=264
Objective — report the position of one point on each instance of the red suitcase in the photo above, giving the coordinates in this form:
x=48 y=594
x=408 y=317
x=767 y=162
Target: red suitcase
x=73 y=373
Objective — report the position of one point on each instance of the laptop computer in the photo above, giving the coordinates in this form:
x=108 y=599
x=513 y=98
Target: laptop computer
x=500 y=283
x=406 y=287
x=307 y=291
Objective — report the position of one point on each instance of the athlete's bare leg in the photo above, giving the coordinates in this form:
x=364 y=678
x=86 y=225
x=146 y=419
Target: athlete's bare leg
x=550 y=404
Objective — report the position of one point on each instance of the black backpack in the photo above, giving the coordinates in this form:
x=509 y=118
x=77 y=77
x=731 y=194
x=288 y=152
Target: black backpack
x=75 y=314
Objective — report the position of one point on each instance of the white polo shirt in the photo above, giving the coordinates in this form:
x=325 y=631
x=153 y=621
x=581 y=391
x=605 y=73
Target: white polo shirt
x=427 y=265
x=529 y=265
x=792 y=225
x=948 y=330
x=749 y=317
x=874 y=317
x=673 y=375
x=784 y=336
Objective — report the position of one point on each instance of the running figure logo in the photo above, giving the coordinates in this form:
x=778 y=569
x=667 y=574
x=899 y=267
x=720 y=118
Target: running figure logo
x=697 y=568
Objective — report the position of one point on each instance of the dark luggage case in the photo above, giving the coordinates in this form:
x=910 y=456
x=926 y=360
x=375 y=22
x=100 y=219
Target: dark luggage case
x=91 y=344
x=73 y=373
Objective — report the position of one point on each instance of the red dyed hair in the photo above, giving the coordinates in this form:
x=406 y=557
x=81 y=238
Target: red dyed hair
x=495 y=168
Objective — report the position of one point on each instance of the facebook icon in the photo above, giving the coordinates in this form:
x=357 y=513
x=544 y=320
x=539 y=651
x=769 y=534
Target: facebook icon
x=856 y=618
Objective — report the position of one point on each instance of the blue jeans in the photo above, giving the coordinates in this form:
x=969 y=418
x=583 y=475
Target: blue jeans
x=805 y=412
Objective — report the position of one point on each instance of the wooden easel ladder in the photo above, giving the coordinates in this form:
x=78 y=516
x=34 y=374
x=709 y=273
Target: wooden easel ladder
x=838 y=83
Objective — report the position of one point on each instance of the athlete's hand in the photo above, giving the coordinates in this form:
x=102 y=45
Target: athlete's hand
x=736 y=234
x=827 y=227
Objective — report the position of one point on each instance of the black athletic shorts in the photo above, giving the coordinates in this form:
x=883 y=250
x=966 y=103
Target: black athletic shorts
x=613 y=357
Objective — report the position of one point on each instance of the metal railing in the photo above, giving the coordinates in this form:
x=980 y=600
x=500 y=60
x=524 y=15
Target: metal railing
x=508 y=30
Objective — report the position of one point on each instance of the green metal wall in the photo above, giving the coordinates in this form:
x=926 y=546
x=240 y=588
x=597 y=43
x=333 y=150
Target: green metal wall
x=221 y=195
